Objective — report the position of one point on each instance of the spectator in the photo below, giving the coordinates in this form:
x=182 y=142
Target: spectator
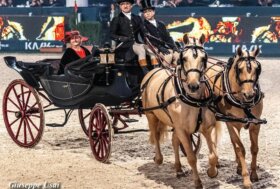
x=113 y=12
x=35 y=3
x=10 y=3
x=265 y=2
x=75 y=51
x=3 y=3
x=51 y=3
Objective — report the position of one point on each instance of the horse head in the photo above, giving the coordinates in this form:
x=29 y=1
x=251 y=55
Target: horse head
x=246 y=71
x=193 y=60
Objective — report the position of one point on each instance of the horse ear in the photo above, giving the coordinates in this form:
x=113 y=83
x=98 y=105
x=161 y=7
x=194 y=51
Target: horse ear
x=239 y=51
x=202 y=39
x=186 y=39
x=256 y=51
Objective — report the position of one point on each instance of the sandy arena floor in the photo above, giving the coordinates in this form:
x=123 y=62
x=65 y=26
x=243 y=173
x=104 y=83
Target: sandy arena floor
x=63 y=156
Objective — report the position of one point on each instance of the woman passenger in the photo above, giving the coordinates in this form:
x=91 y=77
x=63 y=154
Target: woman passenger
x=75 y=51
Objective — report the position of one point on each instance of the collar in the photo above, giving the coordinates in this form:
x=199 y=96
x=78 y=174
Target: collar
x=154 y=22
x=128 y=15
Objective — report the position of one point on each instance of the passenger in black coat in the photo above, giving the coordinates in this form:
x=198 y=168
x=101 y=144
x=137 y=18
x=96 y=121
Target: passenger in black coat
x=125 y=29
x=75 y=52
x=157 y=33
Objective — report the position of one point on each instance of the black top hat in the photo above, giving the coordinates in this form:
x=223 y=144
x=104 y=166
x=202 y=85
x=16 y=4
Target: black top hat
x=146 y=4
x=121 y=1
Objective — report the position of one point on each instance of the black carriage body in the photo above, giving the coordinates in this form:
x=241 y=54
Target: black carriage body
x=74 y=93
x=109 y=84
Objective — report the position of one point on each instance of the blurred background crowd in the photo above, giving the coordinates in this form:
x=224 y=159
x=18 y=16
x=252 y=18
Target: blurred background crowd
x=157 y=3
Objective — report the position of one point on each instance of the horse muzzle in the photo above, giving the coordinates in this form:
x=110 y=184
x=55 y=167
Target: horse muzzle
x=193 y=87
x=249 y=96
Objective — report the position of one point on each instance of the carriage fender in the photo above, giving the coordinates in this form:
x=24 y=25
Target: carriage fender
x=25 y=74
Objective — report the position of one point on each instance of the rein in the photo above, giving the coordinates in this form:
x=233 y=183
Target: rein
x=159 y=57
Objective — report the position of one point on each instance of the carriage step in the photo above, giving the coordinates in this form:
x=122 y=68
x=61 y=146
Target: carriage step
x=130 y=120
x=54 y=125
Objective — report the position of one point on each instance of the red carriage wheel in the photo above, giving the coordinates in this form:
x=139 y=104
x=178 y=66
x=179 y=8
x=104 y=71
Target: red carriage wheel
x=100 y=133
x=196 y=144
x=84 y=115
x=23 y=114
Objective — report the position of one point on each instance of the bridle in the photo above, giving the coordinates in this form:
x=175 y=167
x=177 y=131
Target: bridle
x=249 y=59
x=194 y=49
x=229 y=94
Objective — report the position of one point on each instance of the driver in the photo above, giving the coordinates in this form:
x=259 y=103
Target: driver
x=75 y=51
x=125 y=29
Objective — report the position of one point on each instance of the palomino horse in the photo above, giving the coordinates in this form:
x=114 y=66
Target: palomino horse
x=176 y=100
x=240 y=97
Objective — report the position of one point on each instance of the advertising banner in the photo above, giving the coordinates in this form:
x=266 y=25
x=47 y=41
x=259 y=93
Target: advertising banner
x=225 y=34
x=27 y=33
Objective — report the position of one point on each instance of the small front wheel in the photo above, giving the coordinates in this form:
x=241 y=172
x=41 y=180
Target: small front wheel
x=100 y=133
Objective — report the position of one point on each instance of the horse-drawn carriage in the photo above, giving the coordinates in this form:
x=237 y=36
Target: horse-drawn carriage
x=105 y=92
x=191 y=98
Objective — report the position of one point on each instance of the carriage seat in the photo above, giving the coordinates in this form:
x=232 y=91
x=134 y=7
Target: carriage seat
x=54 y=64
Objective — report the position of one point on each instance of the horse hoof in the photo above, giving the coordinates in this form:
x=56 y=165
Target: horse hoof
x=239 y=170
x=254 y=177
x=218 y=165
x=211 y=175
x=158 y=161
x=198 y=185
x=248 y=187
x=180 y=174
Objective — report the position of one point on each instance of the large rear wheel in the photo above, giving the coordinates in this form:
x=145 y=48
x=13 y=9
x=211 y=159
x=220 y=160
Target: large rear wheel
x=100 y=133
x=23 y=114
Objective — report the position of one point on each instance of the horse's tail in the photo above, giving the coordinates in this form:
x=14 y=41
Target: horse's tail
x=158 y=133
x=217 y=132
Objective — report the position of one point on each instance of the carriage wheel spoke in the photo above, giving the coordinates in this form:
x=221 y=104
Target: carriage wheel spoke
x=86 y=116
x=19 y=127
x=20 y=105
x=14 y=103
x=27 y=100
x=10 y=111
x=24 y=131
x=30 y=107
x=14 y=122
x=22 y=96
x=33 y=124
x=32 y=115
x=29 y=129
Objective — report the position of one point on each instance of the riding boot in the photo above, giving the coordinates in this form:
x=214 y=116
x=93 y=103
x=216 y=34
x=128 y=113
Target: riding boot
x=145 y=70
x=154 y=63
x=143 y=64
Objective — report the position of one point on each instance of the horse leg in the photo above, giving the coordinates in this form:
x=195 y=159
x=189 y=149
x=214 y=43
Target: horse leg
x=155 y=134
x=176 y=144
x=240 y=152
x=212 y=171
x=239 y=167
x=254 y=133
x=185 y=139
